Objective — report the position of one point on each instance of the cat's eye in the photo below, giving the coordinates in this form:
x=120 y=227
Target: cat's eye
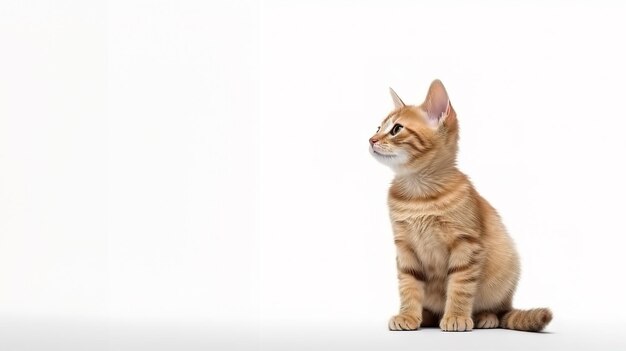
x=377 y=129
x=396 y=129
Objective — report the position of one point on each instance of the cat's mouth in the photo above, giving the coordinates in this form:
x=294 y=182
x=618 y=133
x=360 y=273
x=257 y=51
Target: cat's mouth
x=381 y=154
x=393 y=160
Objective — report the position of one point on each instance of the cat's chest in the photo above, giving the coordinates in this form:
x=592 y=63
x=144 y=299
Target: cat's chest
x=428 y=239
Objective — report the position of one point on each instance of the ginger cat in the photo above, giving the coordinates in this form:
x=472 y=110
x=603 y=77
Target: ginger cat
x=457 y=266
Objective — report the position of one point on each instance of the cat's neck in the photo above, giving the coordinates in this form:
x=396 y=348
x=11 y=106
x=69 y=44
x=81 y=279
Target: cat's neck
x=426 y=183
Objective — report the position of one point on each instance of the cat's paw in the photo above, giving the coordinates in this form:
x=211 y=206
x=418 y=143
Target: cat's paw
x=486 y=320
x=404 y=322
x=456 y=323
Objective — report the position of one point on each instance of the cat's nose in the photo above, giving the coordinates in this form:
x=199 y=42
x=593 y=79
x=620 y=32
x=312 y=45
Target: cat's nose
x=373 y=141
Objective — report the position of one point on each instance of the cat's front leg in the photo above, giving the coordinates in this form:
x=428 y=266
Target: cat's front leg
x=411 y=287
x=464 y=269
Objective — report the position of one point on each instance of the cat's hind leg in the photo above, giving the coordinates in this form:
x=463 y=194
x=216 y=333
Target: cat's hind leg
x=486 y=320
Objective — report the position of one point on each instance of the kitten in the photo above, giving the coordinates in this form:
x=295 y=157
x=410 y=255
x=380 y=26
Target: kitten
x=457 y=266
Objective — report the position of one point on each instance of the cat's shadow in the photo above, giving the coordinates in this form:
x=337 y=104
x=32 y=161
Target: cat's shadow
x=479 y=330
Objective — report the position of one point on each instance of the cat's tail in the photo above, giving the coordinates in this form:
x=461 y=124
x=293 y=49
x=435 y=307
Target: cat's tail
x=527 y=320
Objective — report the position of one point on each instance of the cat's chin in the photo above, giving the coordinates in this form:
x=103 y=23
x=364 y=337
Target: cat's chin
x=395 y=161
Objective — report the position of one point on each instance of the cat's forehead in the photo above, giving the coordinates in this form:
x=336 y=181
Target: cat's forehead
x=408 y=116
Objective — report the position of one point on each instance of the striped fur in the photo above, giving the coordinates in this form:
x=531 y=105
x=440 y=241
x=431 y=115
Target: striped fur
x=457 y=266
x=527 y=320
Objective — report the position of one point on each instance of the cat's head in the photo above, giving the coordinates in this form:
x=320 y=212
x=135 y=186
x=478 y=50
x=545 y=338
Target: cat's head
x=418 y=137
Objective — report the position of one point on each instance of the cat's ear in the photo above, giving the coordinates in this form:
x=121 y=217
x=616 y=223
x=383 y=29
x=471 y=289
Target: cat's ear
x=398 y=103
x=437 y=103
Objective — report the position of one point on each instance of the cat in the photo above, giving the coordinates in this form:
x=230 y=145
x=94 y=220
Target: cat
x=457 y=266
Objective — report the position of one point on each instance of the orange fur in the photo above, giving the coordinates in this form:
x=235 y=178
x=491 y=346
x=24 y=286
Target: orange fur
x=457 y=266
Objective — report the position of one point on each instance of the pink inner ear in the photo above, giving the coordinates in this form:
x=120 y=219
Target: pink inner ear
x=437 y=102
x=438 y=110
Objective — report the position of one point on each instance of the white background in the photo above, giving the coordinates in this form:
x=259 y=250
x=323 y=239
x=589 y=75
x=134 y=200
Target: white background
x=195 y=175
